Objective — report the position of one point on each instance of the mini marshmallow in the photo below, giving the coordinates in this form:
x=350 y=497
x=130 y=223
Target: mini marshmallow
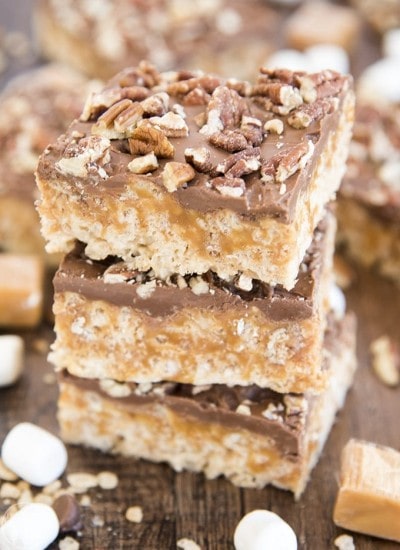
x=261 y=529
x=34 y=454
x=11 y=359
x=328 y=56
x=391 y=43
x=337 y=301
x=288 y=59
x=33 y=527
x=380 y=82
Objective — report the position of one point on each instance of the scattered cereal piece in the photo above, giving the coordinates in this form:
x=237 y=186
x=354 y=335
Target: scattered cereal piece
x=187 y=544
x=134 y=514
x=345 y=542
x=386 y=360
x=81 y=481
x=68 y=543
x=8 y=490
x=5 y=473
x=107 y=480
x=97 y=521
x=36 y=455
x=33 y=527
x=264 y=529
x=11 y=359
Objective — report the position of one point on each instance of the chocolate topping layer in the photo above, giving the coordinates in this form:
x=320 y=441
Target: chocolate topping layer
x=113 y=281
x=249 y=148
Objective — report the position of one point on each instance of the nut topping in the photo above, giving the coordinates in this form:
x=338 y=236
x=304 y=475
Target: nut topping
x=143 y=165
x=173 y=125
x=176 y=175
x=230 y=187
x=284 y=164
x=200 y=158
x=147 y=139
x=89 y=155
x=241 y=163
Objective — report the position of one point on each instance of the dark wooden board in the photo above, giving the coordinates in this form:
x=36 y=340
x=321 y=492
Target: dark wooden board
x=186 y=505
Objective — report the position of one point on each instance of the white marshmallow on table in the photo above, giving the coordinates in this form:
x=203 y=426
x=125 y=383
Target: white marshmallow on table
x=11 y=359
x=391 y=43
x=328 y=56
x=264 y=530
x=380 y=82
x=33 y=527
x=34 y=454
x=288 y=59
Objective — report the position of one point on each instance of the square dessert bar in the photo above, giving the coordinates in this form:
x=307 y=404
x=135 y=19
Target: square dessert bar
x=112 y=321
x=369 y=201
x=34 y=109
x=253 y=436
x=186 y=173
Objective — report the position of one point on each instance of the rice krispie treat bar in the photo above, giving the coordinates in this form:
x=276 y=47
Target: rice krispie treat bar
x=252 y=436
x=187 y=173
x=34 y=109
x=369 y=201
x=115 y=322
x=227 y=37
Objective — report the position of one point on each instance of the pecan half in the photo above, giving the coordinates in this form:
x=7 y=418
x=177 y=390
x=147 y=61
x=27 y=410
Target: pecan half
x=146 y=139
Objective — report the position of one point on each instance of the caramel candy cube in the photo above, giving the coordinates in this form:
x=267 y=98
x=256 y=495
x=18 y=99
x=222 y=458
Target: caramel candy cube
x=322 y=23
x=369 y=494
x=21 y=290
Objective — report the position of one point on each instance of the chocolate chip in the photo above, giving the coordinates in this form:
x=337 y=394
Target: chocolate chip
x=68 y=513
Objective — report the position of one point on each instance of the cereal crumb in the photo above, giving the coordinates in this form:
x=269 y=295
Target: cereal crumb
x=187 y=544
x=68 y=543
x=345 y=542
x=97 y=521
x=134 y=514
x=107 y=480
x=80 y=481
x=86 y=500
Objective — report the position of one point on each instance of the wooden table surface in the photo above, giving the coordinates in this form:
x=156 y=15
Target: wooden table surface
x=186 y=505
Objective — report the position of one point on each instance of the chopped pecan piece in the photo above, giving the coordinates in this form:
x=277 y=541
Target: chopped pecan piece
x=119 y=120
x=224 y=110
x=311 y=112
x=229 y=187
x=197 y=96
x=156 y=105
x=144 y=164
x=284 y=97
x=98 y=102
x=176 y=174
x=146 y=139
x=89 y=155
x=251 y=128
x=319 y=85
x=229 y=140
x=275 y=126
x=173 y=125
x=200 y=158
x=241 y=163
x=285 y=163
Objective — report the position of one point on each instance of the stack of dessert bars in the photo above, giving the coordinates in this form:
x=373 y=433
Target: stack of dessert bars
x=193 y=317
